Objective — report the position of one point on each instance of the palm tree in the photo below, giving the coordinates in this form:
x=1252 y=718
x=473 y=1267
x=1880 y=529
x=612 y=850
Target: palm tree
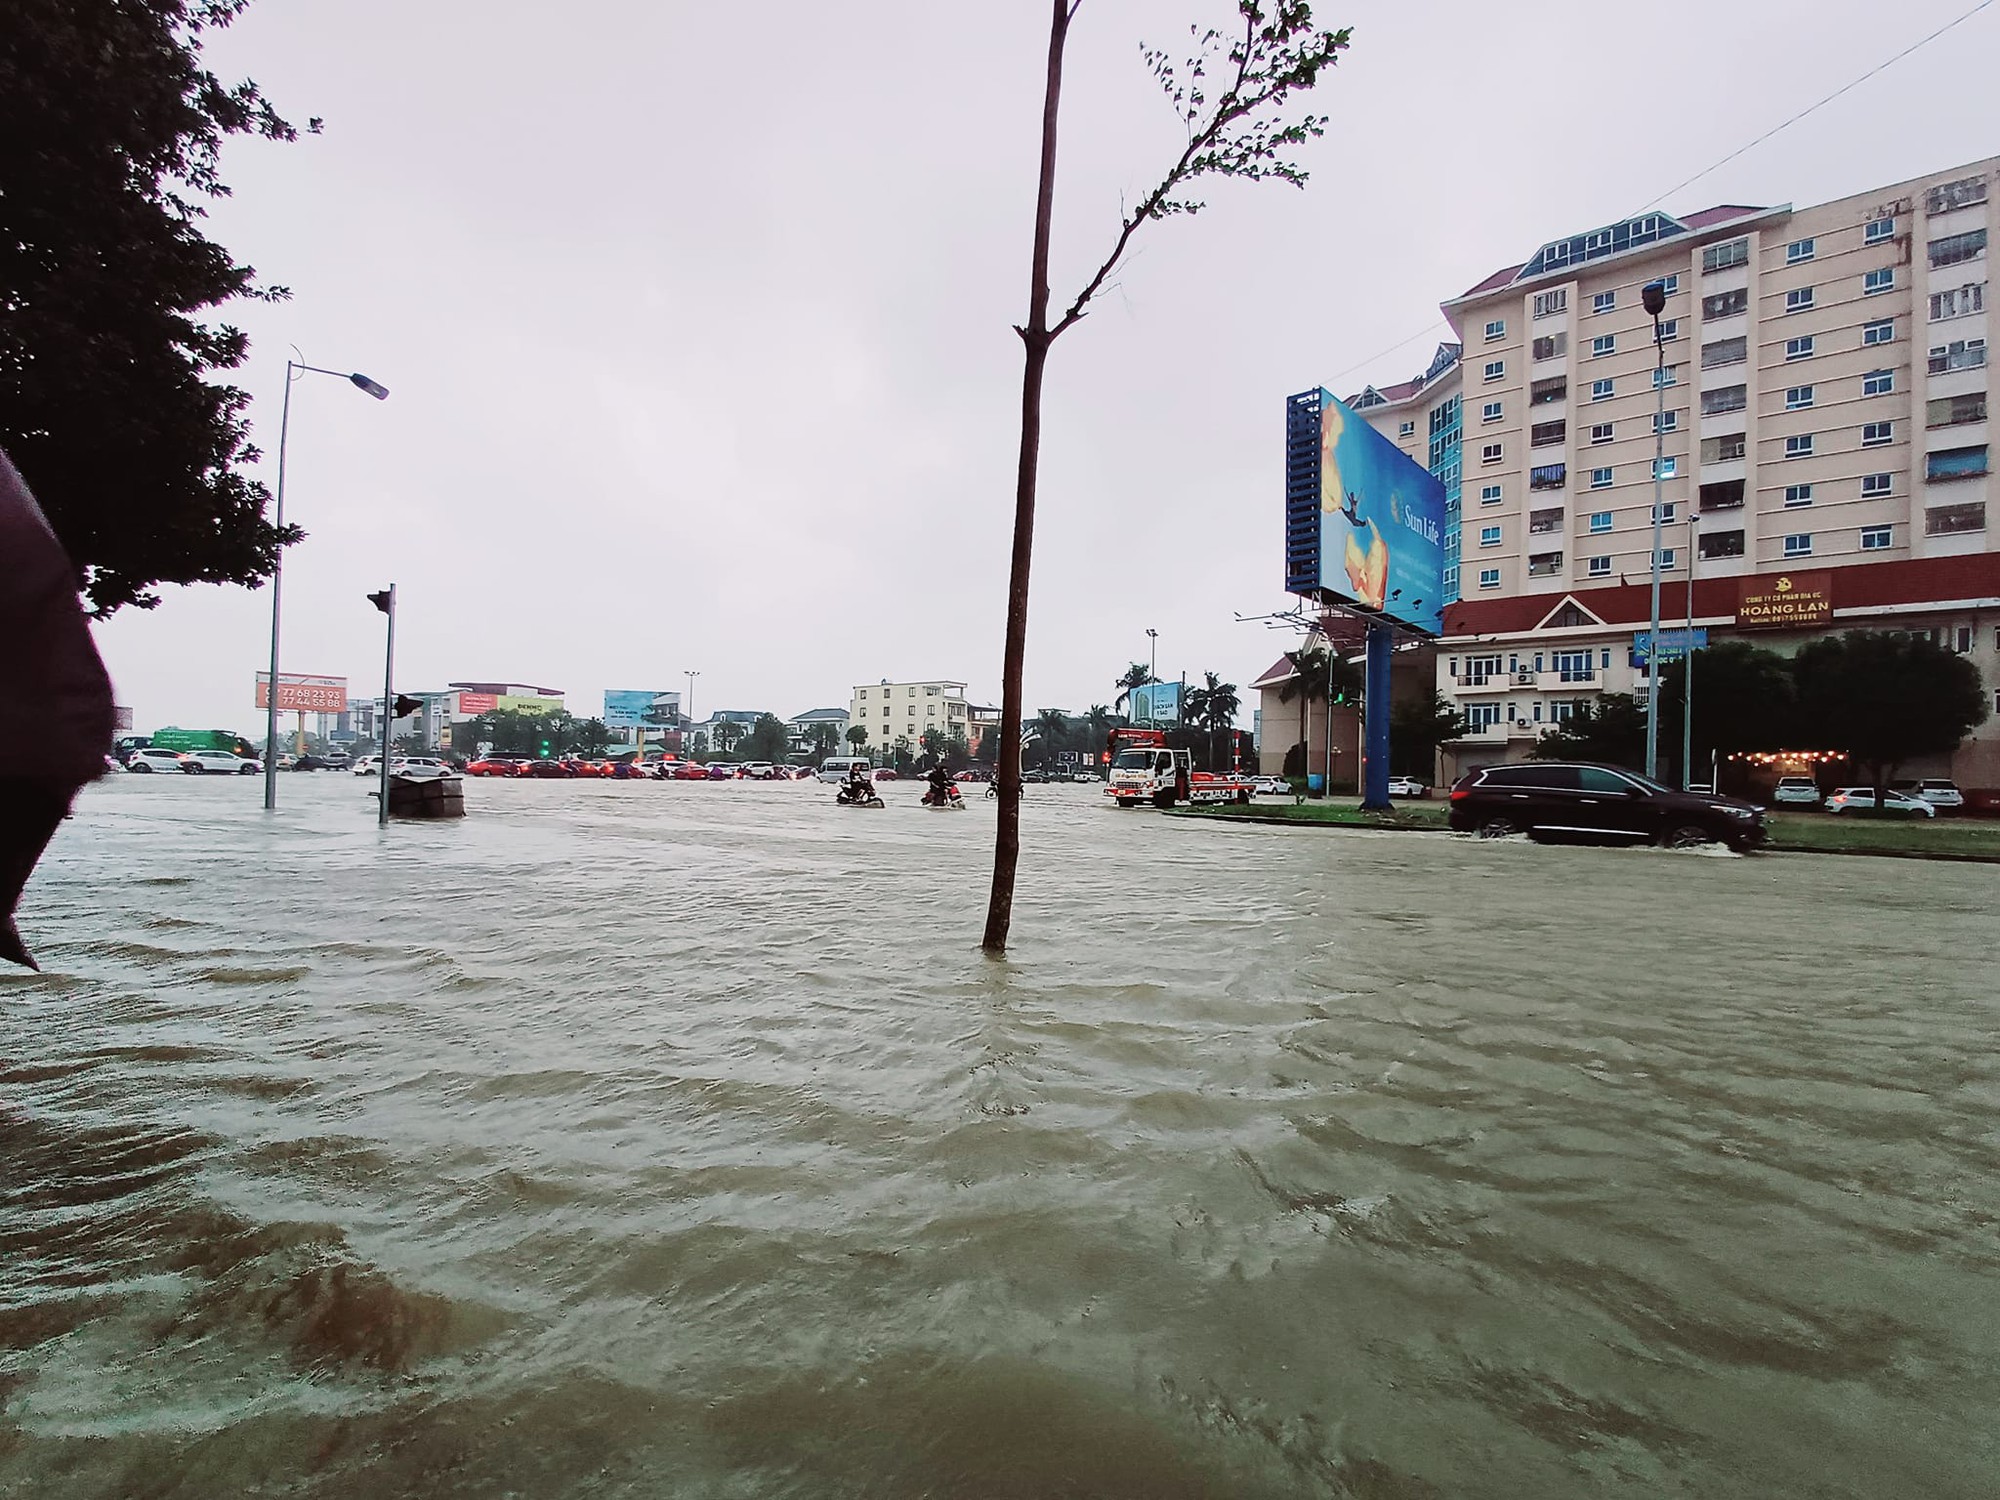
x=1052 y=724
x=1136 y=676
x=1214 y=705
x=1097 y=724
x=1319 y=672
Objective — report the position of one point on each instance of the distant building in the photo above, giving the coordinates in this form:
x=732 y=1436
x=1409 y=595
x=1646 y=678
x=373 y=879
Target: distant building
x=803 y=726
x=904 y=710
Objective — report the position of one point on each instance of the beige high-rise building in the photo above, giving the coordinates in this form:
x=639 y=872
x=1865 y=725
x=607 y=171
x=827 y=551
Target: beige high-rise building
x=894 y=711
x=1826 y=391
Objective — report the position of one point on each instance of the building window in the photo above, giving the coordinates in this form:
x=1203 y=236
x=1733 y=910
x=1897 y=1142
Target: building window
x=1666 y=558
x=1799 y=544
x=862 y=694
x=1602 y=390
x=1800 y=446
x=1548 y=392
x=1490 y=412
x=1726 y=304
x=1490 y=453
x=1724 y=352
x=1798 y=398
x=1722 y=544
x=1552 y=346
x=1604 y=302
x=1548 y=477
x=1798 y=494
x=1489 y=536
x=1600 y=479
x=1666 y=468
x=1666 y=375
x=1959 y=354
x=1670 y=284
x=1877 y=434
x=1954 y=411
x=1600 y=520
x=1407 y=429
x=1799 y=299
x=1881 y=331
x=1670 y=329
x=1548 y=304
x=1668 y=510
x=1722 y=257
x=1798 y=250
x=1598 y=567
x=1497 y=329
x=1666 y=421
x=1957 y=249
x=1960 y=194
x=1799 y=348
x=1544 y=564
x=1875 y=486
x=1724 y=399
x=1496 y=369
x=1603 y=344
x=1883 y=280
x=1600 y=432
x=1489 y=494
x=1878 y=382
x=1721 y=449
x=1961 y=639
x=1948 y=520
x=1572 y=666
x=1489 y=578
x=1875 y=538
x=1878 y=230
x=1958 y=302
x=1724 y=494
x=1544 y=434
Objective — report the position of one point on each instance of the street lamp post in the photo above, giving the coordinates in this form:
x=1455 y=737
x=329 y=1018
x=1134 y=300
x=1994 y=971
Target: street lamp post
x=1687 y=667
x=293 y=368
x=688 y=712
x=1654 y=296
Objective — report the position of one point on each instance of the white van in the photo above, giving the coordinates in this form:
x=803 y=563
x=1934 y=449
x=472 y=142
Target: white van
x=840 y=767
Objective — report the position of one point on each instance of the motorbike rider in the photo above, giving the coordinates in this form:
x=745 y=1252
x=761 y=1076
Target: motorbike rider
x=942 y=789
x=859 y=787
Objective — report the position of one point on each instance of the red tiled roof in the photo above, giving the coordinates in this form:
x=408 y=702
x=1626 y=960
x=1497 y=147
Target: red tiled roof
x=1499 y=278
x=1917 y=580
x=1402 y=390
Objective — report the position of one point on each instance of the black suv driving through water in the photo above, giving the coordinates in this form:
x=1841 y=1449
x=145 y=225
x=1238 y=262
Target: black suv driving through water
x=1578 y=799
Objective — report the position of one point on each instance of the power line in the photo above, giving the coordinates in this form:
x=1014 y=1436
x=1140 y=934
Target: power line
x=1433 y=327
x=1844 y=88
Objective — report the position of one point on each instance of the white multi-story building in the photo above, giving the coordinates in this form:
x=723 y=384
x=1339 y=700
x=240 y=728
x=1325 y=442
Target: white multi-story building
x=892 y=711
x=1825 y=430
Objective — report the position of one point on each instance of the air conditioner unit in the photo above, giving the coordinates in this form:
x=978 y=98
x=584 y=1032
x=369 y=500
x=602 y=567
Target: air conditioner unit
x=1524 y=679
x=1523 y=724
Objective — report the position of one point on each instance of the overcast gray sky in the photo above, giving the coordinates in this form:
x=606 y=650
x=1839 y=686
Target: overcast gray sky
x=698 y=317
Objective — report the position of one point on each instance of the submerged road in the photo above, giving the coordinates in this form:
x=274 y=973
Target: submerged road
x=637 y=1140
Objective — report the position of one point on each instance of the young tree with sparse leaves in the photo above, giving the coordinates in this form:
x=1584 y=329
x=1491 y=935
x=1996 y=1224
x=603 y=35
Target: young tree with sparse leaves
x=1231 y=98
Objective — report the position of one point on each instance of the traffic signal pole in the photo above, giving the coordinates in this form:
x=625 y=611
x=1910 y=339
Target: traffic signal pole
x=386 y=602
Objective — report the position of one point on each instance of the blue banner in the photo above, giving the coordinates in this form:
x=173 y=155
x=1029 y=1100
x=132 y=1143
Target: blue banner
x=1382 y=521
x=1674 y=644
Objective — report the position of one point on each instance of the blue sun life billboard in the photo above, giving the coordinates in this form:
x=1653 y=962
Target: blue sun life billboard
x=1364 y=523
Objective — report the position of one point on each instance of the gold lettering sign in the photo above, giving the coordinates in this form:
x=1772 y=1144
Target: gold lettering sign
x=1790 y=599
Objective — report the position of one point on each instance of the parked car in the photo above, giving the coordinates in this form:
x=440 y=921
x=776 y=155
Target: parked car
x=368 y=765
x=495 y=765
x=1581 y=799
x=1942 y=794
x=547 y=770
x=1407 y=786
x=220 y=763
x=1862 y=799
x=1795 y=791
x=688 y=770
x=1270 y=786
x=887 y=773
x=419 y=765
x=722 y=771
x=146 y=760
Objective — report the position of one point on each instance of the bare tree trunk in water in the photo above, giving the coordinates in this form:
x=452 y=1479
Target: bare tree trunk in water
x=1035 y=336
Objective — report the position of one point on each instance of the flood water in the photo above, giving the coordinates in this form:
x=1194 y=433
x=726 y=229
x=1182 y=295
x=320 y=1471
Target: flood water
x=675 y=1140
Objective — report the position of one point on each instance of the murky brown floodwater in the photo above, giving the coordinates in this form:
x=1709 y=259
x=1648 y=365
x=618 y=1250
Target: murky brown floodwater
x=661 y=1140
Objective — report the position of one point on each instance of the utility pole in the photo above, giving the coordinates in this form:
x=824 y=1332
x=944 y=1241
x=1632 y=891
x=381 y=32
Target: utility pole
x=386 y=602
x=1654 y=295
x=1687 y=671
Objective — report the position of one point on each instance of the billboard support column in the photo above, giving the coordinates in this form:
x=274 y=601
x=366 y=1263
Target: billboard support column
x=1375 y=710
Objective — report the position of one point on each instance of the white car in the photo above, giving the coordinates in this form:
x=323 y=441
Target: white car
x=368 y=765
x=220 y=763
x=1862 y=799
x=1795 y=791
x=1406 y=786
x=1270 y=786
x=1936 y=790
x=144 y=762
x=425 y=767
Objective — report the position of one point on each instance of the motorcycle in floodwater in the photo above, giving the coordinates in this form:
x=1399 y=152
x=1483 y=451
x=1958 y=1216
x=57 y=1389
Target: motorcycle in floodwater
x=858 y=796
x=944 y=799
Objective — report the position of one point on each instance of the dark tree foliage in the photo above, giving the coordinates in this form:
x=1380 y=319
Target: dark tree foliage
x=1744 y=699
x=111 y=132
x=1612 y=729
x=1416 y=729
x=1882 y=696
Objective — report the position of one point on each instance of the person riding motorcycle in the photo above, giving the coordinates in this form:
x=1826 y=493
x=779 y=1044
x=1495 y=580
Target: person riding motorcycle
x=942 y=789
x=859 y=787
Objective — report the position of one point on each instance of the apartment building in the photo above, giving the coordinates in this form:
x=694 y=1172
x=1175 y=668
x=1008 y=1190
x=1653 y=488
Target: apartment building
x=892 y=711
x=1819 y=401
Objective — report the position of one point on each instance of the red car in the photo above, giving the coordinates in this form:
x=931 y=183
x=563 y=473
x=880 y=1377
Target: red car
x=497 y=765
x=687 y=770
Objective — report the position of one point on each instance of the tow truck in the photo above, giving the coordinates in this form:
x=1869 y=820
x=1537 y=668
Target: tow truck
x=1144 y=769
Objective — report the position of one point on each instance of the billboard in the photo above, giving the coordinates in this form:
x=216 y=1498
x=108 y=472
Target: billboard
x=472 y=705
x=1794 y=599
x=641 y=707
x=527 y=703
x=298 y=693
x=1156 y=703
x=1674 y=644
x=1364 y=523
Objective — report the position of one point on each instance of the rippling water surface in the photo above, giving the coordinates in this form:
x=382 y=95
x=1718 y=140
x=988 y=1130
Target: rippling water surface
x=645 y=1140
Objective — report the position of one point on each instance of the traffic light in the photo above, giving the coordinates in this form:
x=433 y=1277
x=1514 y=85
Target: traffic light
x=380 y=601
x=406 y=706
x=545 y=749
